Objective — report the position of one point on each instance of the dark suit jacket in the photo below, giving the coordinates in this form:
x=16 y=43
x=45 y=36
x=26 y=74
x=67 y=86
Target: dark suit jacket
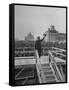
x=38 y=44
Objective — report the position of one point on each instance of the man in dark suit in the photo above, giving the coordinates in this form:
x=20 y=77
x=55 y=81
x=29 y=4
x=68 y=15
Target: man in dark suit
x=38 y=44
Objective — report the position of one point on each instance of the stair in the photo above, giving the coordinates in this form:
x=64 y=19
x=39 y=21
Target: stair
x=49 y=75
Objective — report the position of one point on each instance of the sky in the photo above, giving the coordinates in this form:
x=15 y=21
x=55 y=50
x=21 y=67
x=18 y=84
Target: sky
x=37 y=20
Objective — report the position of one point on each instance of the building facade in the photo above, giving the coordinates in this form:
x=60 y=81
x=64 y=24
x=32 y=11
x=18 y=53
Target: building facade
x=29 y=37
x=54 y=36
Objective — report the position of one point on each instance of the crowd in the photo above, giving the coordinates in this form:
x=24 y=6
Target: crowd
x=43 y=44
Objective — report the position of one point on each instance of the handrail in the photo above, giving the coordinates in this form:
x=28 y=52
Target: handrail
x=41 y=75
x=25 y=51
x=62 y=73
x=42 y=47
x=59 y=53
x=59 y=49
x=54 y=62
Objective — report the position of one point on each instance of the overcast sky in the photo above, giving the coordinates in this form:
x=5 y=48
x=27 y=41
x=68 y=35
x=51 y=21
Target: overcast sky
x=37 y=20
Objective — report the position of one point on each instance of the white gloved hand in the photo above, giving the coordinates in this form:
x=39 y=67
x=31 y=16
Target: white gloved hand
x=44 y=34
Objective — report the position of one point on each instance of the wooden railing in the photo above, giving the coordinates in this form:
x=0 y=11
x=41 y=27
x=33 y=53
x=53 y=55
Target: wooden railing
x=57 y=72
x=40 y=72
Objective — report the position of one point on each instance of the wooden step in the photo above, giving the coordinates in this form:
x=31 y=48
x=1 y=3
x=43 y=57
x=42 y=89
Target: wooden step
x=48 y=72
x=46 y=69
x=45 y=65
x=51 y=81
x=50 y=77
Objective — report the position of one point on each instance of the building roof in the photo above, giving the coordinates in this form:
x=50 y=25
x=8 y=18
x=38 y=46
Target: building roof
x=29 y=36
x=52 y=29
x=62 y=33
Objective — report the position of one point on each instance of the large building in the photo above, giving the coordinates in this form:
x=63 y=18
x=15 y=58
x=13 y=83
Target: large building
x=54 y=36
x=29 y=37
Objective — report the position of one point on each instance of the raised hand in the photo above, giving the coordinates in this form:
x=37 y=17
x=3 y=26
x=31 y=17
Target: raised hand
x=44 y=34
